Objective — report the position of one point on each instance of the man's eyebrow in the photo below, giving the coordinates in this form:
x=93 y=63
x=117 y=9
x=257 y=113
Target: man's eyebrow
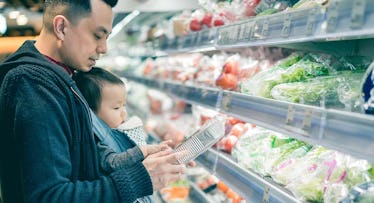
x=103 y=29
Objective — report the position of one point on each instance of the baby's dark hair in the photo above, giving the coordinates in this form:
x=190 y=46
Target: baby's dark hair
x=90 y=84
x=72 y=9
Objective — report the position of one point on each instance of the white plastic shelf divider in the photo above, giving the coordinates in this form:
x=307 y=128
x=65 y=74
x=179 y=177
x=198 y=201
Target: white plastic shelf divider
x=347 y=132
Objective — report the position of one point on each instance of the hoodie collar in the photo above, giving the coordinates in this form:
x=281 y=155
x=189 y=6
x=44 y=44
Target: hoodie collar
x=68 y=69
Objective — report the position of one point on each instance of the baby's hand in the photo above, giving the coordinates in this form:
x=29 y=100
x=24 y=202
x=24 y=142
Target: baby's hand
x=151 y=149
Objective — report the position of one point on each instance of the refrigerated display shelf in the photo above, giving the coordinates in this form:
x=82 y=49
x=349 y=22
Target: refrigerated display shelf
x=247 y=184
x=340 y=20
x=347 y=132
x=197 y=195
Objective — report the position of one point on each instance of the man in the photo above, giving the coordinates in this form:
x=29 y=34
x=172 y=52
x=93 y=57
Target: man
x=48 y=151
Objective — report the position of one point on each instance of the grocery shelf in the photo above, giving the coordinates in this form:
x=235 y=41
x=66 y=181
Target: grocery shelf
x=347 y=132
x=247 y=184
x=197 y=195
x=340 y=20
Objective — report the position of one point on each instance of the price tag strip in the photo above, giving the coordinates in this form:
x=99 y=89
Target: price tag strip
x=265 y=29
x=310 y=24
x=358 y=13
x=332 y=16
x=286 y=25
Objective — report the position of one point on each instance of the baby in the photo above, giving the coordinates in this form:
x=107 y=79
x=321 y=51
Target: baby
x=105 y=94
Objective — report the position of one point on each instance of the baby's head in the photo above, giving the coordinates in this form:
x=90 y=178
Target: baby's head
x=105 y=93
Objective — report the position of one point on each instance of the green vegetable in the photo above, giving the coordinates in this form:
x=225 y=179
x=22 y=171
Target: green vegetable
x=304 y=70
x=289 y=61
x=371 y=172
x=268 y=12
x=262 y=83
x=342 y=90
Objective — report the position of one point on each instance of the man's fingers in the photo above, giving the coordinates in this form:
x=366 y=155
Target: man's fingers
x=156 y=148
x=191 y=164
x=167 y=142
x=162 y=153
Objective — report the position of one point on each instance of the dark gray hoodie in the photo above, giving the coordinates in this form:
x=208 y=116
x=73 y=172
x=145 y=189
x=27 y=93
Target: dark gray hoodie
x=48 y=152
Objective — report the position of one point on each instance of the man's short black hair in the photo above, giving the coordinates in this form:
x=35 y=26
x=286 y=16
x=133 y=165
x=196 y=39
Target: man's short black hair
x=90 y=84
x=72 y=9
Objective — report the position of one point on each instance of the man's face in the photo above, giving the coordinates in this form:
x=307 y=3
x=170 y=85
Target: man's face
x=86 y=40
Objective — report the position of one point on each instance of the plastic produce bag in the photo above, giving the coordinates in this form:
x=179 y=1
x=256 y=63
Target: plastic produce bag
x=336 y=168
x=340 y=91
x=363 y=193
x=293 y=149
x=252 y=148
x=294 y=168
x=274 y=6
x=261 y=83
x=310 y=66
x=335 y=192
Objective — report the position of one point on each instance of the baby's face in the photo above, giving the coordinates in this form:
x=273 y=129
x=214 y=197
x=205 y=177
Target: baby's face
x=112 y=109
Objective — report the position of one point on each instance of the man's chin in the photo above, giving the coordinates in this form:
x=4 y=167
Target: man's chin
x=86 y=69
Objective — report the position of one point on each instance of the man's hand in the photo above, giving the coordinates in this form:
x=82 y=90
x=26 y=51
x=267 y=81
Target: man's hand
x=154 y=148
x=163 y=168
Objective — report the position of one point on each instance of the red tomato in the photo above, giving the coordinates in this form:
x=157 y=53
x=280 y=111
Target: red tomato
x=204 y=119
x=232 y=121
x=231 y=67
x=147 y=69
x=195 y=25
x=227 y=143
x=218 y=22
x=207 y=20
x=238 y=129
x=227 y=81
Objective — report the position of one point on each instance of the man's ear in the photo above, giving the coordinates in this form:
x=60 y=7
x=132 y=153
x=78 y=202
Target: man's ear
x=59 y=26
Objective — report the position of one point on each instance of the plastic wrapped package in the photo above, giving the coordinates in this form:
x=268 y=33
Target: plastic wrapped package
x=266 y=7
x=335 y=168
x=340 y=91
x=335 y=192
x=308 y=4
x=254 y=149
x=351 y=63
x=209 y=69
x=249 y=7
x=363 y=193
x=262 y=83
x=136 y=94
x=159 y=102
x=202 y=114
x=176 y=192
x=294 y=168
x=228 y=78
x=349 y=94
x=292 y=69
x=291 y=150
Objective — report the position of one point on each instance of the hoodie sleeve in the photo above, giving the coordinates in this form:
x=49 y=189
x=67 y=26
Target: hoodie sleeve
x=43 y=142
x=112 y=161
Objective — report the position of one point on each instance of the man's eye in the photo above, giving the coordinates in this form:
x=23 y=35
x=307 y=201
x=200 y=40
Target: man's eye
x=98 y=37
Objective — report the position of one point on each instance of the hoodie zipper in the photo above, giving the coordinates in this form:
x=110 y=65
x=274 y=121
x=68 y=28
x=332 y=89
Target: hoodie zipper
x=85 y=105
